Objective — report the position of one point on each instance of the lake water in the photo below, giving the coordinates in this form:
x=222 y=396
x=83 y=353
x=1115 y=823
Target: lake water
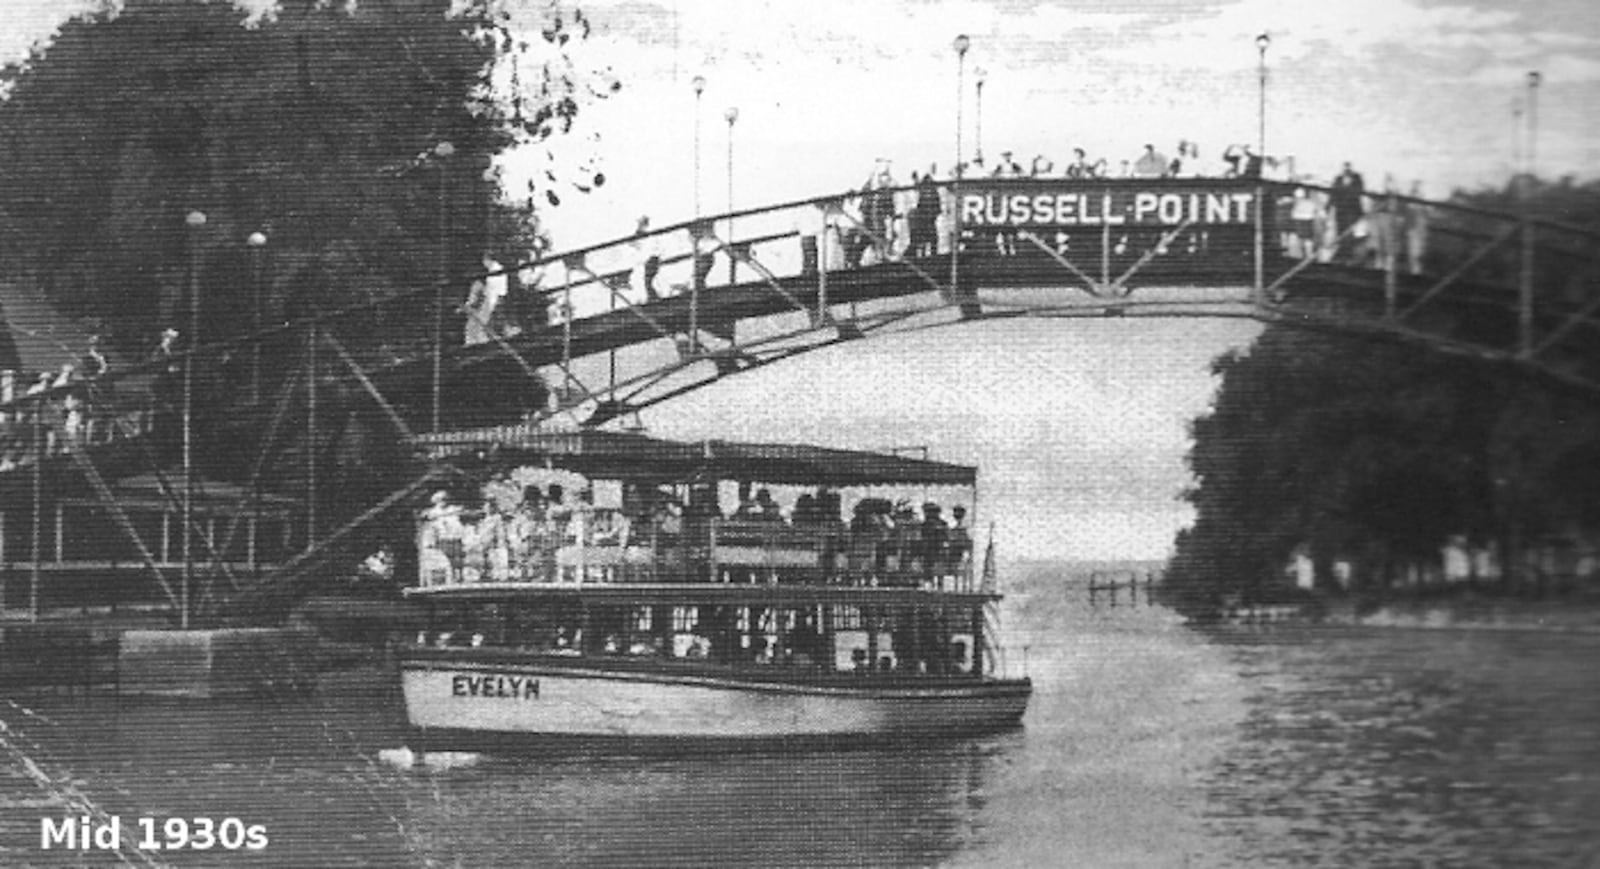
x=1147 y=744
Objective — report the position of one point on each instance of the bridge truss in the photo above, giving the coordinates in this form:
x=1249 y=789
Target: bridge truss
x=596 y=336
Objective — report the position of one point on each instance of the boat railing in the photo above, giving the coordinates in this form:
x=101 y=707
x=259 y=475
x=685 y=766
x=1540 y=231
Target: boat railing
x=605 y=547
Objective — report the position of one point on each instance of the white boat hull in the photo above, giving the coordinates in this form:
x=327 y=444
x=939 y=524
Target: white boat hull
x=471 y=704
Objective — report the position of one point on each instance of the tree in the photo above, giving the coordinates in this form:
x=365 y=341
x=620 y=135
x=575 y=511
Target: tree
x=317 y=125
x=1368 y=449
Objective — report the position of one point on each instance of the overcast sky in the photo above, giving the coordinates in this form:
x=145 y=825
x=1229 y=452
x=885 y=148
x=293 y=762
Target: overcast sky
x=1078 y=426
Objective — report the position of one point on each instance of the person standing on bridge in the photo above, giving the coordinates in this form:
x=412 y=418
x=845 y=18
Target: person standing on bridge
x=924 y=222
x=1346 y=199
x=1080 y=167
x=647 y=261
x=1417 y=217
x=1007 y=167
x=810 y=222
x=877 y=211
x=1151 y=164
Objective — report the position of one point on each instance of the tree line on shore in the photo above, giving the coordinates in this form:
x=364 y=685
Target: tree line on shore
x=340 y=153
x=359 y=139
x=1339 y=447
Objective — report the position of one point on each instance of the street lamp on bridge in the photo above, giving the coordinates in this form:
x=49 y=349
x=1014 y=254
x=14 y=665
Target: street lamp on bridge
x=195 y=221
x=256 y=242
x=961 y=44
x=1262 y=42
x=1516 y=138
x=979 y=75
x=731 y=115
x=699 y=83
x=443 y=150
x=1533 y=123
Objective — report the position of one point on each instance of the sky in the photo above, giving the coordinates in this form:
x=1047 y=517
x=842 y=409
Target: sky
x=1078 y=427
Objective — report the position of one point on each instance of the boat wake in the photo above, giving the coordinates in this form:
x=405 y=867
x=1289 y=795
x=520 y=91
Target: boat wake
x=433 y=761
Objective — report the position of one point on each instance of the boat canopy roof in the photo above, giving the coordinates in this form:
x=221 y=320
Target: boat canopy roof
x=629 y=456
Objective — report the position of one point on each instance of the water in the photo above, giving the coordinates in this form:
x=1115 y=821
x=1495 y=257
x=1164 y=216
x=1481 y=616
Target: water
x=1147 y=744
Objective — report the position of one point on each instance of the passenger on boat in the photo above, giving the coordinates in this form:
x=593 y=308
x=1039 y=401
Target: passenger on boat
x=958 y=542
x=805 y=510
x=442 y=533
x=667 y=517
x=747 y=508
x=869 y=532
x=935 y=539
x=610 y=528
x=906 y=541
x=767 y=510
x=522 y=534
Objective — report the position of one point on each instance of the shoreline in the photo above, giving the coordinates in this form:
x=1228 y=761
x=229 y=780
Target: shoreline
x=1574 y=616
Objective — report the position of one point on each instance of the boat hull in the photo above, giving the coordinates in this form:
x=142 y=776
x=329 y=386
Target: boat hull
x=545 y=705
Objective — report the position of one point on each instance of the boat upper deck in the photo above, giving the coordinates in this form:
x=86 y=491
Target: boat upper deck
x=570 y=511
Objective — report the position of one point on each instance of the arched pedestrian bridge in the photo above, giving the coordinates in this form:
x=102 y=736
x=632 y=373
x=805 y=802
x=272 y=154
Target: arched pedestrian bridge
x=790 y=278
x=589 y=336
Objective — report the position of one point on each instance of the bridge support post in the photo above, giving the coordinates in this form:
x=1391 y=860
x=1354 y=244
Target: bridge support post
x=1105 y=252
x=311 y=434
x=1525 y=294
x=955 y=223
x=1257 y=294
x=697 y=236
x=822 y=275
x=566 y=321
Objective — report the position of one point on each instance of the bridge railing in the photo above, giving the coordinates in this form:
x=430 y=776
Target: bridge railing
x=1176 y=224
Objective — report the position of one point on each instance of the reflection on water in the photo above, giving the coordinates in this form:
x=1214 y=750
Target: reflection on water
x=1147 y=744
x=1413 y=747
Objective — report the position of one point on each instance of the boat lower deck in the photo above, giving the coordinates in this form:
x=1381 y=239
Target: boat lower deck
x=492 y=699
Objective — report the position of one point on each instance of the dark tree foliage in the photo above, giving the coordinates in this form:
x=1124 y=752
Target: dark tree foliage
x=319 y=126
x=315 y=126
x=1379 y=452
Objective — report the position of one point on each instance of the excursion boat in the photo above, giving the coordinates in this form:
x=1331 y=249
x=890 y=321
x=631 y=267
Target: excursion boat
x=585 y=591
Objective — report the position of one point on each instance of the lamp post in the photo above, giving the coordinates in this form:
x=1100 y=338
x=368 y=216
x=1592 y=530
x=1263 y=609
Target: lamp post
x=1533 y=123
x=195 y=221
x=256 y=242
x=1262 y=42
x=443 y=151
x=732 y=114
x=699 y=84
x=961 y=44
x=979 y=75
x=1516 y=138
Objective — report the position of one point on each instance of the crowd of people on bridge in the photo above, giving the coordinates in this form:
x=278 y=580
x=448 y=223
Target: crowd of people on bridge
x=49 y=405
x=889 y=218
x=1234 y=161
x=1347 y=223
